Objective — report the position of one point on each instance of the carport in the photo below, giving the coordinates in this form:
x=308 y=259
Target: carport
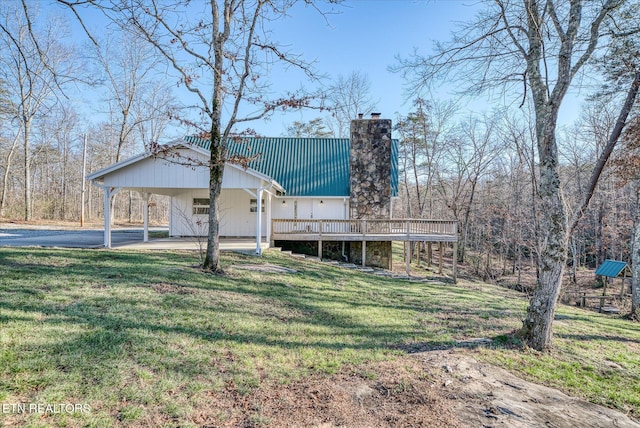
x=181 y=169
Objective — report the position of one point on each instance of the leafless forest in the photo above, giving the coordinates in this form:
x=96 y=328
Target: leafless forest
x=479 y=170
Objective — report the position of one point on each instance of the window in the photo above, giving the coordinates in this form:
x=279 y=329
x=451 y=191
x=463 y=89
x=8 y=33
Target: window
x=253 y=205
x=200 y=206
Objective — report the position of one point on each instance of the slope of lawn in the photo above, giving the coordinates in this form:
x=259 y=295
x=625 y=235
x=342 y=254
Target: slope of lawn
x=139 y=336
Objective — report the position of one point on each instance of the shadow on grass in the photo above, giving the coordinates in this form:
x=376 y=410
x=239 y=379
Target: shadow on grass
x=95 y=331
x=502 y=341
x=595 y=337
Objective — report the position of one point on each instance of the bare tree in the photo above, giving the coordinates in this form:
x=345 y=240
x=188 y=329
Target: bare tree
x=424 y=134
x=543 y=46
x=315 y=128
x=34 y=66
x=627 y=169
x=8 y=153
x=153 y=108
x=128 y=64
x=349 y=96
x=635 y=261
x=53 y=137
x=467 y=160
x=222 y=51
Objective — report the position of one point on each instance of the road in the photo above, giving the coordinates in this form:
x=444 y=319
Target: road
x=88 y=238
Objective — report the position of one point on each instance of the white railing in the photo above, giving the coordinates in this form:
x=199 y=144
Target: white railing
x=365 y=227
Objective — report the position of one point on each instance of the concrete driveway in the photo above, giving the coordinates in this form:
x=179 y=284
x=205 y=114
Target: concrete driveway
x=86 y=238
x=120 y=238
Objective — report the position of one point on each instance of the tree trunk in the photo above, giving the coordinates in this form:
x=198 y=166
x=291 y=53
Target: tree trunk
x=519 y=267
x=130 y=207
x=5 y=178
x=600 y=253
x=552 y=234
x=574 y=264
x=465 y=226
x=27 y=170
x=65 y=158
x=537 y=326
x=216 y=171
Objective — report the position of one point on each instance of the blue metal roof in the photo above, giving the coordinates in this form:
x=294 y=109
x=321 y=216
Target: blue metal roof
x=303 y=166
x=611 y=268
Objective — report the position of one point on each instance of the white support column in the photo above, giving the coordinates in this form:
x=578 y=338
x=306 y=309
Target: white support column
x=259 y=221
x=145 y=216
x=107 y=216
x=109 y=194
x=269 y=218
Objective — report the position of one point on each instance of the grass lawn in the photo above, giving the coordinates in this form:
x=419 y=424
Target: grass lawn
x=143 y=336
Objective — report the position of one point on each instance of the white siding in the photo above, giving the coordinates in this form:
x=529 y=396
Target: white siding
x=307 y=208
x=160 y=173
x=236 y=178
x=235 y=216
x=156 y=172
x=182 y=222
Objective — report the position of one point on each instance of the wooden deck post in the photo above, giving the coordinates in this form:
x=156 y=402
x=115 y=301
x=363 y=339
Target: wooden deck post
x=320 y=240
x=429 y=254
x=363 y=230
x=408 y=258
x=440 y=257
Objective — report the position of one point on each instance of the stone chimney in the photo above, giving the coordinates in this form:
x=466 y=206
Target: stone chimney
x=370 y=168
x=370 y=184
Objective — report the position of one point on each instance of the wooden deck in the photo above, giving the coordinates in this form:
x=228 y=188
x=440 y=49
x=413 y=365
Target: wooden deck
x=365 y=230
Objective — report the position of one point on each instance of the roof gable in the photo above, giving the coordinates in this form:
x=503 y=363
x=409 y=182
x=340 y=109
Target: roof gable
x=303 y=166
x=148 y=170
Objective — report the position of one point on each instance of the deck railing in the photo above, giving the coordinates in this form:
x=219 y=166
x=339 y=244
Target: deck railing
x=407 y=227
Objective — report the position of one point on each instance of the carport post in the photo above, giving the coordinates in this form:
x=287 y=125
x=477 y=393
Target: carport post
x=259 y=221
x=145 y=216
x=268 y=234
x=259 y=193
x=107 y=216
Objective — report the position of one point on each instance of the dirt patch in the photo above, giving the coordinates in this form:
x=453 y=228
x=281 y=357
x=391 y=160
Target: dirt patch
x=438 y=388
x=387 y=394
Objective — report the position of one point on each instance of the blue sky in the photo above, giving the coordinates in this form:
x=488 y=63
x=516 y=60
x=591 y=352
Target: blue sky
x=366 y=36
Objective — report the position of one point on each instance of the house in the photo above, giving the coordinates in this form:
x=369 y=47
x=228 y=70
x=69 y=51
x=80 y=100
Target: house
x=309 y=189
